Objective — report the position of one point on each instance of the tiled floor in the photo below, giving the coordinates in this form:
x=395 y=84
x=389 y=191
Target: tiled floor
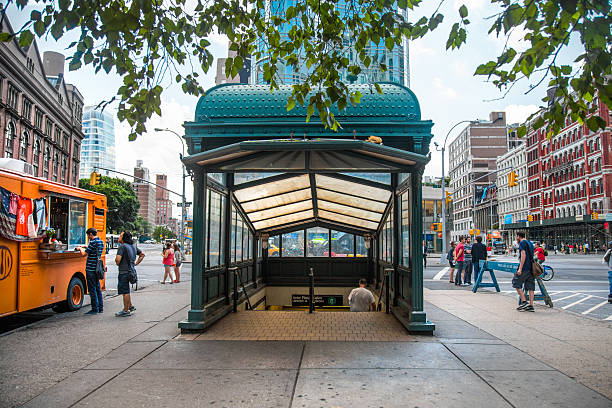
x=292 y=325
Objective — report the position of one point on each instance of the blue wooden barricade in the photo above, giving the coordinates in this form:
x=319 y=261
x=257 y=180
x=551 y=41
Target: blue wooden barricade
x=488 y=267
x=511 y=267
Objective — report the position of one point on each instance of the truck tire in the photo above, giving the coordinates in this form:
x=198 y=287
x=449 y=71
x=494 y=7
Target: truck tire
x=75 y=294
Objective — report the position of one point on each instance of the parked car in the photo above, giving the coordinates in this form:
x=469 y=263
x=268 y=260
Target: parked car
x=499 y=247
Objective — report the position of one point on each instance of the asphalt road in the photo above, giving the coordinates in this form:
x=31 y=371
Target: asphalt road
x=580 y=284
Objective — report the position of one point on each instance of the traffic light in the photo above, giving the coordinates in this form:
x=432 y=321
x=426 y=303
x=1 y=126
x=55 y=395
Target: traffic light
x=448 y=198
x=95 y=178
x=530 y=217
x=512 y=177
x=595 y=216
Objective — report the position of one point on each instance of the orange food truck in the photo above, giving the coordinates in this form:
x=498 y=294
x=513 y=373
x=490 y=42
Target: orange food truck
x=34 y=272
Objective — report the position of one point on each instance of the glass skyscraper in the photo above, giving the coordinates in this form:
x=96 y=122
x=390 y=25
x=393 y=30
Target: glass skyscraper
x=98 y=148
x=397 y=60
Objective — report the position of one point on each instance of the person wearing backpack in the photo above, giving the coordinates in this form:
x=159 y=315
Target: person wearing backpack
x=607 y=259
x=126 y=261
x=523 y=278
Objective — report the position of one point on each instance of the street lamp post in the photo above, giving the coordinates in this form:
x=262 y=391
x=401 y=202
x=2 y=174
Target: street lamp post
x=183 y=208
x=443 y=149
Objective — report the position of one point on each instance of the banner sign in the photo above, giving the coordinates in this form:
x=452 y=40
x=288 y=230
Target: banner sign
x=319 y=300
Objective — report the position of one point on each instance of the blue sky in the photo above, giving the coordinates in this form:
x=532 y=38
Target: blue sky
x=442 y=80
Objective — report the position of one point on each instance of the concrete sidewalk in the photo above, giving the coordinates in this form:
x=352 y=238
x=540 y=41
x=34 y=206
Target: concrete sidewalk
x=484 y=354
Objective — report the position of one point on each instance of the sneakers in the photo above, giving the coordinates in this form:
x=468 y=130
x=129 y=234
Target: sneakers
x=529 y=309
x=132 y=309
x=123 y=313
x=522 y=306
x=91 y=312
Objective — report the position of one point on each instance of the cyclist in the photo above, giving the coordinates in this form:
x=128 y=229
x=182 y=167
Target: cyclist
x=540 y=255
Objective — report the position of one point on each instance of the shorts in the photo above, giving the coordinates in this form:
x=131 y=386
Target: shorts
x=525 y=279
x=451 y=263
x=178 y=264
x=123 y=284
x=168 y=265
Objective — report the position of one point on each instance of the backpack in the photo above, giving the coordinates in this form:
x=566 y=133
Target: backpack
x=536 y=268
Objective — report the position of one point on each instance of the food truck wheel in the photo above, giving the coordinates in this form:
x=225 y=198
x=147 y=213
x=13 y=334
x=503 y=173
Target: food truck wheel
x=75 y=294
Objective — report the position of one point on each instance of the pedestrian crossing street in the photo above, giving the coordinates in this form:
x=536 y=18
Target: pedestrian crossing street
x=591 y=303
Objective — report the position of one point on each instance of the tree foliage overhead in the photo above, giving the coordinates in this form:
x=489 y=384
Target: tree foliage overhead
x=122 y=203
x=148 y=42
x=162 y=232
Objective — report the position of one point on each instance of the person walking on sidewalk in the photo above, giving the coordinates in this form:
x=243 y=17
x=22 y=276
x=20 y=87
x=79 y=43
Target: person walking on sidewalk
x=126 y=260
x=523 y=278
x=467 y=274
x=178 y=261
x=168 y=262
x=451 y=261
x=424 y=255
x=479 y=253
x=94 y=252
x=459 y=260
x=607 y=259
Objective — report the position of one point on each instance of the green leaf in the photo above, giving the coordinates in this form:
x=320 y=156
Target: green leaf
x=39 y=28
x=26 y=38
x=290 y=104
x=463 y=11
x=378 y=88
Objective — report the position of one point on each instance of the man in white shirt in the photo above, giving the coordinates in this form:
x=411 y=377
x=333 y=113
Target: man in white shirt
x=361 y=299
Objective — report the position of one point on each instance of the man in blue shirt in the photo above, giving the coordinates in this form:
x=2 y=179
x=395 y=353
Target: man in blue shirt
x=523 y=278
x=94 y=252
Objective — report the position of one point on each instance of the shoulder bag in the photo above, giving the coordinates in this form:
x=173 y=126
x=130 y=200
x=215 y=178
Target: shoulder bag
x=536 y=268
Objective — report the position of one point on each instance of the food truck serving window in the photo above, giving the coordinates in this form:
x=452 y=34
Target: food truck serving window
x=68 y=217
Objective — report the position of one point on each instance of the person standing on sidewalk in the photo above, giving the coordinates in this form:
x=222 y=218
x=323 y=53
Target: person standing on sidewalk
x=479 y=253
x=424 y=255
x=523 y=278
x=467 y=271
x=168 y=262
x=451 y=261
x=126 y=260
x=608 y=260
x=459 y=260
x=178 y=261
x=94 y=252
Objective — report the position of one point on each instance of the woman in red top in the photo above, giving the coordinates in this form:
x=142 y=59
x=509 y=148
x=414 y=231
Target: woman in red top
x=538 y=252
x=168 y=261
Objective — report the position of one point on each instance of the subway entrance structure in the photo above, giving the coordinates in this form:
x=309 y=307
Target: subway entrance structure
x=275 y=196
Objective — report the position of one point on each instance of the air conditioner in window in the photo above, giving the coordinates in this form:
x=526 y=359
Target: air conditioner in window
x=16 y=165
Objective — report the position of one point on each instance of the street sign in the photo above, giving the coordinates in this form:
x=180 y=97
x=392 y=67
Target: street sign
x=319 y=300
x=187 y=204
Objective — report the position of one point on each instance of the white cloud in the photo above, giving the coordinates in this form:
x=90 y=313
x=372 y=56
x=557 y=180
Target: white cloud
x=159 y=151
x=417 y=49
x=443 y=90
x=519 y=113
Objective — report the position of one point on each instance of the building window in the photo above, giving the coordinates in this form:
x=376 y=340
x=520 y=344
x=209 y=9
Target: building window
x=10 y=139
x=75 y=151
x=24 y=141
x=13 y=97
x=48 y=128
x=26 y=109
x=75 y=173
x=30 y=64
x=65 y=142
x=38 y=119
x=36 y=157
x=64 y=170
x=55 y=166
x=58 y=135
x=46 y=158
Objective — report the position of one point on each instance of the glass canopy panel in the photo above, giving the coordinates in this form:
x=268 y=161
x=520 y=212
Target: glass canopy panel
x=384 y=178
x=281 y=210
x=273 y=188
x=344 y=219
x=333 y=196
x=240 y=178
x=355 y=189
x=351 y=211
x=284 y=219
x=282 y=199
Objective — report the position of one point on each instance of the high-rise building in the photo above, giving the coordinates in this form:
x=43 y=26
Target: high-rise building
x=513 y=201
x=98 y=147
x=397 y=61
x=243 y=77
x=40 y=114
x=472 y=162
x=163 y=205
x=145 y=192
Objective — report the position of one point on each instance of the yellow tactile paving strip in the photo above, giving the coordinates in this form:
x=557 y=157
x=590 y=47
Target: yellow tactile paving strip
x=292 y=325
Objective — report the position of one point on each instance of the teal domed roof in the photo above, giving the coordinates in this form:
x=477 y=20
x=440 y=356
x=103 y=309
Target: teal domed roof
x=230 y=102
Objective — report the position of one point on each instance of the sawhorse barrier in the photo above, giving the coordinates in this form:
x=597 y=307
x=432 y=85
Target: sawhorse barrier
x=511 y=267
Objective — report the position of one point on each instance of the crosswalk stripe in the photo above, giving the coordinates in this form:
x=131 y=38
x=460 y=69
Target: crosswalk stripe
x=594 y=307
x=577 y=302
x=608 y=318
x=567 y=297
x=440 y=274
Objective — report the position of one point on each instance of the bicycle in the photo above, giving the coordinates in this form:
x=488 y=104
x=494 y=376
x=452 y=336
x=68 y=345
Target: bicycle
x=548 y=273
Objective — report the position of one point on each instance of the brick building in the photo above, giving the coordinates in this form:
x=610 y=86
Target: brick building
x=570 y=178
x=145 y=192
x=40 y=114
x=163 y=205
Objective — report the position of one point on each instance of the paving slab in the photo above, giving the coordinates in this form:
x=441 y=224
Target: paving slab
x=460 y=330
x=196 y=388
x=257 y=355
x=124 y=356
x=71 y=389
x=164 y=330
x=543 y=389
x=495 y=357
x=378 y=355
x=445 y=340
x=393 y=388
